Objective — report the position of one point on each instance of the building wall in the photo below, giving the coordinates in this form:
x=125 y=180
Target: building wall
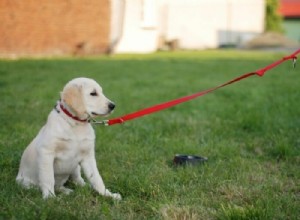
x=190 y=24
x=54 y=27
x=199 y=24
x=138 y=32
x=292 y=29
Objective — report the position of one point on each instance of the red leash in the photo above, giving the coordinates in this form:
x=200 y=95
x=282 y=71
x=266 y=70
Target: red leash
x=174 y=102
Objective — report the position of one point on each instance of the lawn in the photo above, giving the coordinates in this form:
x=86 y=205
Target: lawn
x=249 y=131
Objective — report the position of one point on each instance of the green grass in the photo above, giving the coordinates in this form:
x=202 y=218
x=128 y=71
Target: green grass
x=249 y=131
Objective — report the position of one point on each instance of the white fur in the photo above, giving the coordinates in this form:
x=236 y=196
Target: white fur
x=64 y=146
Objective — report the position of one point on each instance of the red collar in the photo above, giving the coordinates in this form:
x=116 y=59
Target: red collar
x=70 y=115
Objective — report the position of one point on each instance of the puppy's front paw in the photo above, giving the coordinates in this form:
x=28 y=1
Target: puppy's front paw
x=116 y=196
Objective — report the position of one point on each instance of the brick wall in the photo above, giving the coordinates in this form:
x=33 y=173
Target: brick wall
x=54 y=27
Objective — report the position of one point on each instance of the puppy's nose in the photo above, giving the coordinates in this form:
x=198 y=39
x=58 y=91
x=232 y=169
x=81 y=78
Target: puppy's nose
x=111 y=106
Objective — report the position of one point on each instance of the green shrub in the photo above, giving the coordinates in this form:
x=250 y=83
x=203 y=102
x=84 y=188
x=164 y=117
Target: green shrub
x=273 y=20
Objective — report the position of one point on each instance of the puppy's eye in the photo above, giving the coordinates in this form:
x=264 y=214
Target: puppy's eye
x=94 y=93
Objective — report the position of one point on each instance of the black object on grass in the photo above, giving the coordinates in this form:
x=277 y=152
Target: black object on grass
x=188 y=159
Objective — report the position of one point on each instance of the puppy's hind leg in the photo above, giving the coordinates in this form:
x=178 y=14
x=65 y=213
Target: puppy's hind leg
x=46 y=174
x=76 y=177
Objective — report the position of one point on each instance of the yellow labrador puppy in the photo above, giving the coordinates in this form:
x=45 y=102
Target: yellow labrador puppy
x=66 y=143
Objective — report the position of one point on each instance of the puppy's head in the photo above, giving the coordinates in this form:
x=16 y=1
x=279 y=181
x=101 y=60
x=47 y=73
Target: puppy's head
x=85 y=98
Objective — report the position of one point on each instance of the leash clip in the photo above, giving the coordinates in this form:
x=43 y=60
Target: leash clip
x=294 y=61
x=93 y=121
x=104 y=122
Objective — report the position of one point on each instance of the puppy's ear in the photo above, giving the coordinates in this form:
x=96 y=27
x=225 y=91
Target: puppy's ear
x=73 y=97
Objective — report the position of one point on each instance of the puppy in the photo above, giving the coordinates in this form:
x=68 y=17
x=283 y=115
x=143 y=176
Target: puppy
x=66 y=143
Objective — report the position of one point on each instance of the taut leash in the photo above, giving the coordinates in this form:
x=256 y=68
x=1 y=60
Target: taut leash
x=159 y=107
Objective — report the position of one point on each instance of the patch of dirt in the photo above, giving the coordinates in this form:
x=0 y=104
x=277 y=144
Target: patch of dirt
x=270 y=40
